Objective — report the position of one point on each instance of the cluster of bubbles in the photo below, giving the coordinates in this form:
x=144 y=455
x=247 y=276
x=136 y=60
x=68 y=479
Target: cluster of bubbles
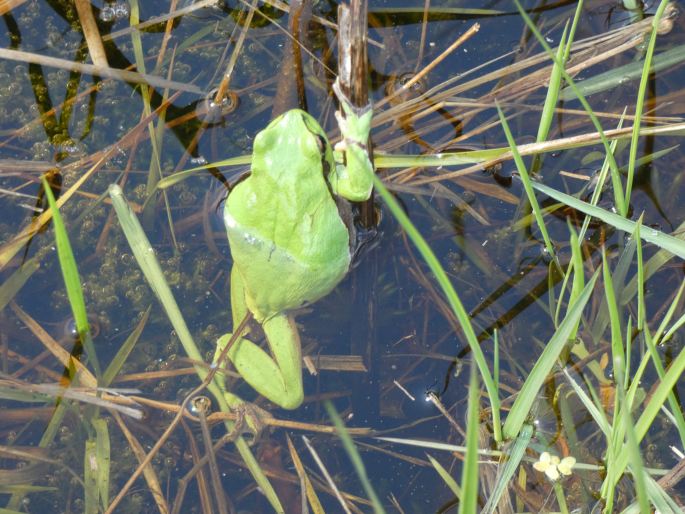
x=115 y=12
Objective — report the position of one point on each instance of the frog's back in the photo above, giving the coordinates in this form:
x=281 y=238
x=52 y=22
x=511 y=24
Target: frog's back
x=283 y=225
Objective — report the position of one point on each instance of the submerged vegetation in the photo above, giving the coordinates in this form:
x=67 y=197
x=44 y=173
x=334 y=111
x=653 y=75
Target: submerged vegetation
x=524 y=276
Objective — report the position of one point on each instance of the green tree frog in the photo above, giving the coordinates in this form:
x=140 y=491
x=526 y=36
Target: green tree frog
x=289 y=245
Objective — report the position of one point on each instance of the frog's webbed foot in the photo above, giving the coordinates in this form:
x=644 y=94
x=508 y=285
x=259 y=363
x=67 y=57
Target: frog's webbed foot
x=250 y=422
x=354 y=179
x=359 y=123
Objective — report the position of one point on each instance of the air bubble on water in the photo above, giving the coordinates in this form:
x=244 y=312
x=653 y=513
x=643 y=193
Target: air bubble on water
x=547 y=257
x=107 y=14
x=122 y=11
x=198 y=161
x=70 y=328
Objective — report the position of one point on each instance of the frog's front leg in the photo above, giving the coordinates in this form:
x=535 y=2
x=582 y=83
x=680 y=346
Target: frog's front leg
x=278 y=376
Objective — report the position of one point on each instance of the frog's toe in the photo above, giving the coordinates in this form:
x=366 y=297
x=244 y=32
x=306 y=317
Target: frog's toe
x=250 y=422
x=291 y=401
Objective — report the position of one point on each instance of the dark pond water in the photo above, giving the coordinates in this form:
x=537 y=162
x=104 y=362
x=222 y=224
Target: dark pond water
x=388 y=313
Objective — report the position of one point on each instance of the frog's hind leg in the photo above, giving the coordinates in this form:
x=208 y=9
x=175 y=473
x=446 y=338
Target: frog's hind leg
x=238 y=305
x=278 y=378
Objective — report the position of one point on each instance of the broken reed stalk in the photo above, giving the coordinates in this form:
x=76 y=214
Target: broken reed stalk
x=91 y=33
x=353 y=73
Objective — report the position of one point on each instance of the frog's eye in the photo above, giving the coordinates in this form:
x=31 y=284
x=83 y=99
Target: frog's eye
x=325 y=165
x=321 y=143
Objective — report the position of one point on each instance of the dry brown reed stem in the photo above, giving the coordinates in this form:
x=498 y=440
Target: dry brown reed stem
x=62 y=356
x=165 y=39
x=226 y=80
x=353 y=71
x=424 y=29
x=306 y=487
x=585 y=53
x=327 y=476
x=352 y=52
x=407 y=86
x=179 y=414
x=674 y=476
x=551 y=146
x=91 y=33
x=433 y=398
x=219 y=417
x=101 y=71
x=148 y=470
x=196 y=472
x=7 y=5
x=202 y=405
x=177 y=418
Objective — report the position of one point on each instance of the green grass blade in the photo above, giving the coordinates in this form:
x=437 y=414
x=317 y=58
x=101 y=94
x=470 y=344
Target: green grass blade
x=452 y=298
x=469 y=475
x=514 y=458
x=124 y=351
x=656 y=401
x=679 y=322
x=548 y=108
x=614 y=316
x=661 y=239
x=90 y=478
x=531 y=387
x=353 y=454
x=594 y=408
x=102 y=453
x=602 y=318
x=145 y=256
x=166 y=182
x=631 y=446
x=650 y=343
x=639 y=104
x=578 y=275
x=446 y=477
x=601 y=179
x=16 y=281
x=525 y=179
x=662 y=501
x=670 y=312
x=72 y=281
x=655 y=263
x=623 y=74
x=619 y=199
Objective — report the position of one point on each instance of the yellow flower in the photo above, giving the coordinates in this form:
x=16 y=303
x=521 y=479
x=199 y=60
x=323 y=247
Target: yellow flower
x=566 y=465
x=551 y=466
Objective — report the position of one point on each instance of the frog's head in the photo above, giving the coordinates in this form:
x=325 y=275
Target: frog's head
x=297 y=136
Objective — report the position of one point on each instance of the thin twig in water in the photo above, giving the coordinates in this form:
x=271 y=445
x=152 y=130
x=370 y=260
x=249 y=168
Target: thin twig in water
x=407 y=85
x=326 y=474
